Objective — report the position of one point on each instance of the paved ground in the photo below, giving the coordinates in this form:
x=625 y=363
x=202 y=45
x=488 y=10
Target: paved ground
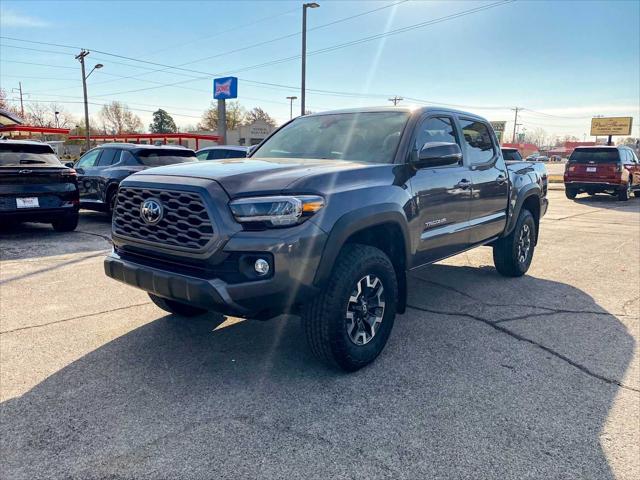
x=484 y=377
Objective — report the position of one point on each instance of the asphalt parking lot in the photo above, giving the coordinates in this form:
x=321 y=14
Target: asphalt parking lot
x=483 y=377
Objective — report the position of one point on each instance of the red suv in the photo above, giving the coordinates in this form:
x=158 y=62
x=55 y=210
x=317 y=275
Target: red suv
x=613 y=170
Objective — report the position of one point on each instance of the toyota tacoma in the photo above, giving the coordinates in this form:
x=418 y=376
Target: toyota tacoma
x=325 y=219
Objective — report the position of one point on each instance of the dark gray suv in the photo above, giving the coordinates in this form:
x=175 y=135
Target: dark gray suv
x=325 y=219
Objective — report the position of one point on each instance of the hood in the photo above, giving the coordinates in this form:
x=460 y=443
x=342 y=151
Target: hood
x=248 y=175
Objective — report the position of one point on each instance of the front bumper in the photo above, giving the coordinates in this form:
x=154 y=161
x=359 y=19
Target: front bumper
x=295 y=258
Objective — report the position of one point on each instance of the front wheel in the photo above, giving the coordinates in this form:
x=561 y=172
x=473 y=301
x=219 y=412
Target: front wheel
x=65 y=224
x=177 y=308
x=349 y=323
x=512 y=254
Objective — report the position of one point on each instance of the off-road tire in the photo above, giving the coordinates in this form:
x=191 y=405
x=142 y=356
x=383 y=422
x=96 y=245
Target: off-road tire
x=505 y=250
x=570 y=192
x=66 y=224
x=325 y=321
x=636 y=193
x=177 y=308
x=625 y=193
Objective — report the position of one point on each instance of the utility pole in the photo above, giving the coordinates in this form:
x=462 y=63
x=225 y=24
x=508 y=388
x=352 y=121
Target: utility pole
x=515 y=124
x=304 y=53
x=291 y=99
x=19 y=90
x=21 y=104
x=395 y=100
x=80 y=57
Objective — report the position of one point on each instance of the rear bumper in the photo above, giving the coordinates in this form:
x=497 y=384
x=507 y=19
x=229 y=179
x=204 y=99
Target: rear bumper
x=594 y=184
x=39 y=215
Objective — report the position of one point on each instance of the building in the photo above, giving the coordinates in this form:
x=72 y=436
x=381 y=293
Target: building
x=248 y=135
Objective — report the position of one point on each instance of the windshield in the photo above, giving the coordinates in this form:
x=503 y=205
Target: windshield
x=511 y=154
x=17 y=154
x=366 y=137
x=158 y=158
x=595 y=155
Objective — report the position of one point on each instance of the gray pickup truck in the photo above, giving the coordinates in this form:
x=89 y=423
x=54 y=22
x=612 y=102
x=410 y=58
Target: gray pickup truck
x=325 y=219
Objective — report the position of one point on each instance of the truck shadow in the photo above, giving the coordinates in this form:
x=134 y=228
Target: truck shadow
x=602 y=200
x=450 y=397
x=36 y=240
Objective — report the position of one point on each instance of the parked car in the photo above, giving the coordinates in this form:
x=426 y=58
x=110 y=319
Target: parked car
x=511 y=154
x=36 y=187
x=220 y=152
x=600 y=169
x=533 y=157
x=325 y=219
x=101 y=169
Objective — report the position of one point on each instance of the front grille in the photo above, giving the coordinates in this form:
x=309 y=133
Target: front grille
x=185 y=222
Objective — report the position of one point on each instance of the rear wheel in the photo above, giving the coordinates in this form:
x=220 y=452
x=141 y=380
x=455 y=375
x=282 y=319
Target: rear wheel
x=625 y=192
x=177 y=308
x=66 y=224
x=570 y=192
x=349 y=323
x=512 y=254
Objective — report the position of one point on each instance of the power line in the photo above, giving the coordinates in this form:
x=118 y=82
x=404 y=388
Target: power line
x=281 y=60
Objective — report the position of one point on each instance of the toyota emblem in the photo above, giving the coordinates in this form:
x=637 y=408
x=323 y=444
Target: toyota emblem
x=151 y=211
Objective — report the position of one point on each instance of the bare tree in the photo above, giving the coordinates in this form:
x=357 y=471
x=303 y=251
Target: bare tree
x=235 y=116
x=117 y=118
x=257 y=113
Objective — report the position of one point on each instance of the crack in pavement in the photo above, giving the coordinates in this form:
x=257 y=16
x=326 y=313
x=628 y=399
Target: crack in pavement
x=29 y=327
x=104 y=237
x=53 y=267
x=521 y=338
x=491 y=304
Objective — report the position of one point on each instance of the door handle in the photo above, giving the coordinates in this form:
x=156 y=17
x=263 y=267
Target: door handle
x=501 y=179
x=463 y=184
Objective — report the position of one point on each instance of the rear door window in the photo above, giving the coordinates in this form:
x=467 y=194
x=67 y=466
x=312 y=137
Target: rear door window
x=236 y=154
x=595 y=155
x=217 y=154
x=109 y=157
x=18 y=154
x=511 y=155
x=159 y=157
x=477 y=137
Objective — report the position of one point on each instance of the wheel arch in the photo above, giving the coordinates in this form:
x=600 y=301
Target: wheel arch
x=383 y=227
x=529 y=199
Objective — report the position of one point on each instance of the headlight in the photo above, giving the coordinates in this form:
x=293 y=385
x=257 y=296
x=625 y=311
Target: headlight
x=276 y=211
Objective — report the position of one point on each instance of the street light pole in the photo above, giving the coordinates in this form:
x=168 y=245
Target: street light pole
x=291 y=99
x=304 y=53
x=80 y=57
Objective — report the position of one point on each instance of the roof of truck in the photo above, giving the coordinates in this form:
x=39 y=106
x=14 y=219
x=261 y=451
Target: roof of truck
x=408 y=109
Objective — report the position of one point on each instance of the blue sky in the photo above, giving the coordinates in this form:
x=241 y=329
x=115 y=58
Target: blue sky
x=564 y=61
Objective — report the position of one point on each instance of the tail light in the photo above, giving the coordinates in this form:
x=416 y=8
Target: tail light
x=70 y=173
x=619 y=168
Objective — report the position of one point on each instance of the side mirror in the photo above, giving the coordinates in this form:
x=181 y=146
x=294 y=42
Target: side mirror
x=438 y=154
x=69 y=164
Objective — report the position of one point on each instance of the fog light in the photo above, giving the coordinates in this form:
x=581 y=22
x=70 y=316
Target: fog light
x=261 y=266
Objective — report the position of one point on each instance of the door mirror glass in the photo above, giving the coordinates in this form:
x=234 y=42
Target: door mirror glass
x=438 y=154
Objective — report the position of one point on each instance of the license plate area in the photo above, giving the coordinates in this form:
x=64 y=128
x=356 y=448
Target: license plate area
x=27 y=202
x=591 y=169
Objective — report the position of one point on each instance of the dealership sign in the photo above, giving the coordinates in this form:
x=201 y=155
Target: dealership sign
x=611 y=126
x=225 y=87
x=498 y=127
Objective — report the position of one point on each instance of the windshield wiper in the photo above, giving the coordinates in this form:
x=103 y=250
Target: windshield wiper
x=22 y=162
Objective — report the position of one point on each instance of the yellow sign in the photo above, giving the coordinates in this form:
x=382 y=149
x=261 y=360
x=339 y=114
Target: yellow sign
x=611 y=126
